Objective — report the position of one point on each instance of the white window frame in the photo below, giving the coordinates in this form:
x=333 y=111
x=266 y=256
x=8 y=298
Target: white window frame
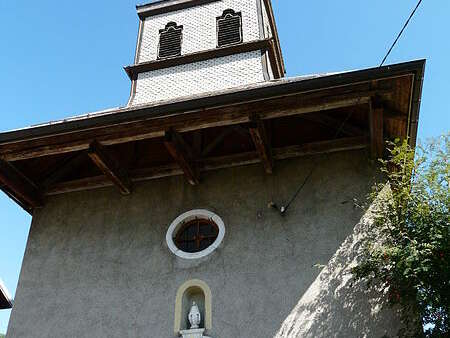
x=189 y=216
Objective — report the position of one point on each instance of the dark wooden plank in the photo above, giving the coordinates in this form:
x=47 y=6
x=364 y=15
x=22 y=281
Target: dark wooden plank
x=182 y=154
x=376 y=130
x=222 y=162
x=261 y=141
x=64 y=169
x=19 y=187
x=217 y=141
x=335 y=124
x=110 y=167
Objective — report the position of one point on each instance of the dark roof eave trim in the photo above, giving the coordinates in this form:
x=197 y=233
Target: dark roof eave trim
x=124 y=115
x=245 y=47
x=164 y=6
x=5 y=302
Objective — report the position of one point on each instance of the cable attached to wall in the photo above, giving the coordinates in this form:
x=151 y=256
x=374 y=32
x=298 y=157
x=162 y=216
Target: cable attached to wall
x=283 y=209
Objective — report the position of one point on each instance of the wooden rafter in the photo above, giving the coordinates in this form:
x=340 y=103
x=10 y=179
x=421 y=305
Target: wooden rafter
x=261 y=141
x=17 y=186
x=182 y=154
x=110 y=167
x=63 y=170
x=376 y=130
x=217 y=141
x=222 y=162
x=335 y=124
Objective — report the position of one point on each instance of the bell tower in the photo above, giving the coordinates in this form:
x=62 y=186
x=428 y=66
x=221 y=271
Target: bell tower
x=188 y=48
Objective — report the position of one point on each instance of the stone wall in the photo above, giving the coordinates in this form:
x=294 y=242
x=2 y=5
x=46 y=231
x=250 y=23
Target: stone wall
x=97 y=264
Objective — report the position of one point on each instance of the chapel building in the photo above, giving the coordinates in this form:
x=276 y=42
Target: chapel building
x=202 y=207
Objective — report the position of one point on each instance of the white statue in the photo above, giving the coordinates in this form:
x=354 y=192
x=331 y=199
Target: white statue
x=194 y=317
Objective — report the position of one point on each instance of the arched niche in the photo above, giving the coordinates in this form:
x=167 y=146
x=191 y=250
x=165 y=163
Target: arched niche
x=193 y=291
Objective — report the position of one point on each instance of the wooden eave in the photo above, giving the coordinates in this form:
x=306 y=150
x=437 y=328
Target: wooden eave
x=263 y=123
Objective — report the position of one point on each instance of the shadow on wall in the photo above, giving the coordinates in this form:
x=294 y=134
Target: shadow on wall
x=336 y=306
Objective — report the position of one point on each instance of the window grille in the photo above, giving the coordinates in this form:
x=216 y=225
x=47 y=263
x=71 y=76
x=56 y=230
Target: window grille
x=196 y=235
x=229 y=28
x=170 y=41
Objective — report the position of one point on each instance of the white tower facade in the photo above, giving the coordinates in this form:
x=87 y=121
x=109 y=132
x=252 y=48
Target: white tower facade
x=194 y=47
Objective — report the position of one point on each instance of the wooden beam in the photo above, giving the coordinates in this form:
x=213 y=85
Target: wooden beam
x=335 y=124
x=66 y=168
x=222 y=162
x=261 y=141
x=110 y=167
x=376 y=130
x=156 y=127
x=19 y=187
x=182 y=154
x=217 y=141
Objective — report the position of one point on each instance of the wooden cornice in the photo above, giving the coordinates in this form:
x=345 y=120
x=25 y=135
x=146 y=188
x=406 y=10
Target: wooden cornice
x=214 y=163
x=156 y=127
x=266 y=44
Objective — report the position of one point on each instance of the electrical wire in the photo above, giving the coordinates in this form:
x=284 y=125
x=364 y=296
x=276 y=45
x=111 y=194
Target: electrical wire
x=285 y=208
x=401 y=32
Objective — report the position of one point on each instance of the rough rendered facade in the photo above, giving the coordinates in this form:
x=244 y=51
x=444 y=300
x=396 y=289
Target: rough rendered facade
x=167 y=217
x=97 y=264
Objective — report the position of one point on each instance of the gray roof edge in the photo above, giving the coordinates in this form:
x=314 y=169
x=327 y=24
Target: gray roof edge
x=5 y=297
x=165 y=6
x=265 y=90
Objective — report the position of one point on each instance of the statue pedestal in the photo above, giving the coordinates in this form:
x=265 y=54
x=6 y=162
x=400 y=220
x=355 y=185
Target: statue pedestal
x=193 y=333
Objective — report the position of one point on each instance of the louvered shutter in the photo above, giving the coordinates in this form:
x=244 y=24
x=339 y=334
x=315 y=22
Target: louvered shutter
x=229 y=28
x=170 y=41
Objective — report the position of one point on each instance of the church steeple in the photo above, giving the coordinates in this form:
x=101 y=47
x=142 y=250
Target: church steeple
x=194 y=47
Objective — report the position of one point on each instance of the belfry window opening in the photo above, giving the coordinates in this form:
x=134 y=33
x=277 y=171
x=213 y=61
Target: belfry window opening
x=170 y=39
x=229 y=28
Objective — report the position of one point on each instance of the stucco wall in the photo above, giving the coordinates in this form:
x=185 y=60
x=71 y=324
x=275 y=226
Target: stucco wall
x=97 y=265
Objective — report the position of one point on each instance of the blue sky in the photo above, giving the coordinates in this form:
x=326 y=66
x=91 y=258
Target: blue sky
x=62 y=58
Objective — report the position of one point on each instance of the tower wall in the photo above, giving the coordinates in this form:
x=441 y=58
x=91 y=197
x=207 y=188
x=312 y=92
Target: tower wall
x=199 y=34
x=200 y=77
x=199 y=27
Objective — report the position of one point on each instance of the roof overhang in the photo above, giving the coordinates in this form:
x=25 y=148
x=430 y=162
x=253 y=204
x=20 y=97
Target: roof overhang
x=5 y=297
x=258 y=92
x=392 y=92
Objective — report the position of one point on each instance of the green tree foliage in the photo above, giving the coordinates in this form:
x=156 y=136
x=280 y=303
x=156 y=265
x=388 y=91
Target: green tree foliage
x=408 y=252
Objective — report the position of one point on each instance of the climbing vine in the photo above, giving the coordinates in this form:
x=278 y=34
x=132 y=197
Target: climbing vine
x=407 y=253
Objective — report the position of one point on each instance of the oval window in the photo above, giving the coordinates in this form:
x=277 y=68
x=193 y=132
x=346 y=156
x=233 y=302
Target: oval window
x=195 y=234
